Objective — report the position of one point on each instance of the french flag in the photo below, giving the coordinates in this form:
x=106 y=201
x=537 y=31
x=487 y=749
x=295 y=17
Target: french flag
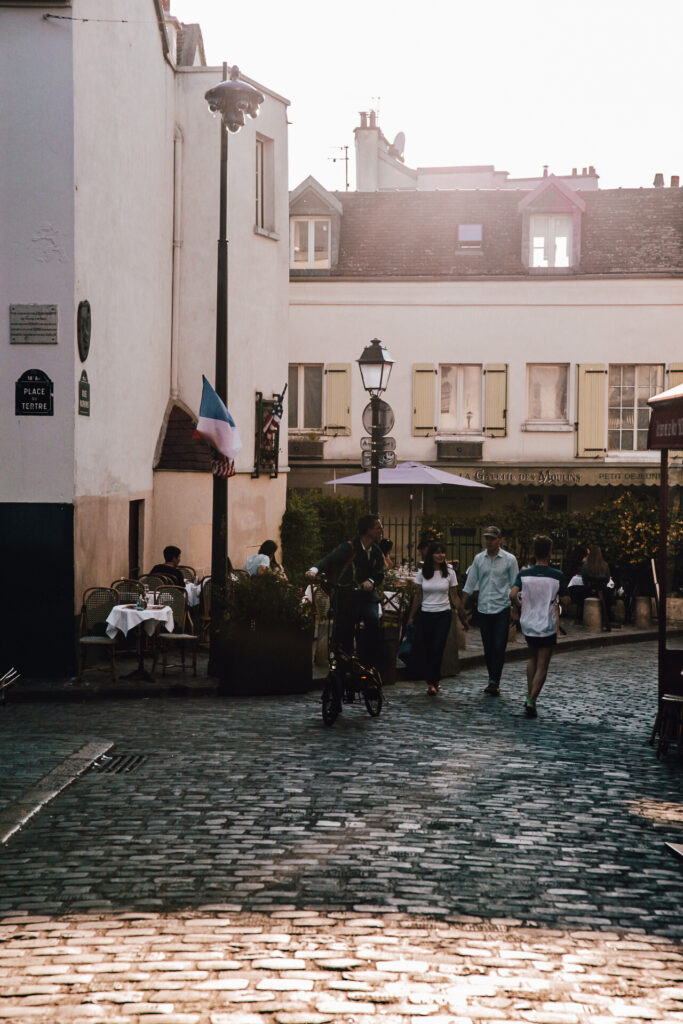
x=217 y=428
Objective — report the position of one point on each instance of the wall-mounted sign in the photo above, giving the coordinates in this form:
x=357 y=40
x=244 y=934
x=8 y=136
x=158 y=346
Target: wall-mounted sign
x=32 y=325
x=83 y=324
x=34 y=394
x=84 y=395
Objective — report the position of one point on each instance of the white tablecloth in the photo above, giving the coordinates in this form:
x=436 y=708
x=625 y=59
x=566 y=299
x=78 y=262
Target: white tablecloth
x=193 y=591
x=124 y=617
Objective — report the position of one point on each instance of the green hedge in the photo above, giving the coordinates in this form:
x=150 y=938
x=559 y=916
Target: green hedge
x=312 y=525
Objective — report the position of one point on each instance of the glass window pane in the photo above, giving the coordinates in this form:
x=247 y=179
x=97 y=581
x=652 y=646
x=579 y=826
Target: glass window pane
x=470 y=414
x=301 y=242
x=547 y=393
x=293 y=396
x=447 y=421
x=313 y=396
x=322 y=243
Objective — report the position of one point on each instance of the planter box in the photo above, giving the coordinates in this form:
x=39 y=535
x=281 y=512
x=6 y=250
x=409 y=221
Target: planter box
x=266 y=660
x=674 y=611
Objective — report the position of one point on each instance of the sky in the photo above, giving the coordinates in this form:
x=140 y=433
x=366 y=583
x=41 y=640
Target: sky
x=514 y=84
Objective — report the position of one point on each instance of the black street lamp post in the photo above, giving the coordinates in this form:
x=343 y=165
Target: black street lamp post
x=232 y=99
x=375 y=369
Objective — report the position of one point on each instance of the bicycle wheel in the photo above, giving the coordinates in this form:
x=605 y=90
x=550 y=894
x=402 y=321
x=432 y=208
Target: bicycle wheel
x=373 y=693
x=331 y=698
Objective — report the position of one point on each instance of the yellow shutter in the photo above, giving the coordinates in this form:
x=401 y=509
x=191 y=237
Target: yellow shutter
x=496 y=412
x=424 y=409
x=591 y=397
x=338 y=406
x=675 y=375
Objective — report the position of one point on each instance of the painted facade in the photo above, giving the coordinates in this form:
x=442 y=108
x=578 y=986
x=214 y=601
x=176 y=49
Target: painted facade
x=109 y=193
x=516 y=315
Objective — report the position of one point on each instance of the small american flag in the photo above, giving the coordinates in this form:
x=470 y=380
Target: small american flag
x=221 y=465
x=273 y=419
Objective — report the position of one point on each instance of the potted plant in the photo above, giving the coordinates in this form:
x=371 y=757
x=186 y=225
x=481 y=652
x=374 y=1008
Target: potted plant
x=268 y=638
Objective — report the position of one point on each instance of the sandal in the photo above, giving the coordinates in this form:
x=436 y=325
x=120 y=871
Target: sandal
x=433 y=690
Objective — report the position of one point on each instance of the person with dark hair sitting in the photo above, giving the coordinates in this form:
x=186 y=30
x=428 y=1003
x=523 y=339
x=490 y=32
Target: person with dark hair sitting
x=169 y=566
x=386 y=546
x=358 y=568
x=436 y=596
x=264 y=561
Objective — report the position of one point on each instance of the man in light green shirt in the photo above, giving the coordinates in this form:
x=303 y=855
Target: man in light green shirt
x=493 y=574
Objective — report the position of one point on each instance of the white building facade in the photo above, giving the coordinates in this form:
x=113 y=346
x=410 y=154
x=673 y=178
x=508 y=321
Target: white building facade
x=529 y=326
x=109 y=190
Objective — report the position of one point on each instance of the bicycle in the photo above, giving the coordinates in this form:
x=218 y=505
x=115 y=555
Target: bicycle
x=348 y=677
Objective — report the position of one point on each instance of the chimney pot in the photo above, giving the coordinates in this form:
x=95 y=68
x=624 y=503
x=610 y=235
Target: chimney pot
x=584 y=171
x=363 y=118
x=659 y=180
x=545 y=170
x=573 y=172
x=373 y=119
x=675 y=180
x=591 y=170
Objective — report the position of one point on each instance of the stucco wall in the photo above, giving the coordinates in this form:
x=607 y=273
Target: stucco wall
x=36 y=247
x=124 y=125
x=255 y=513
x=581 y=321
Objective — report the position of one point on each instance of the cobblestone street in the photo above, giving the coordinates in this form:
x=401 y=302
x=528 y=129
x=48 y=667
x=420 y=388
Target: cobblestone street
x=450 y=861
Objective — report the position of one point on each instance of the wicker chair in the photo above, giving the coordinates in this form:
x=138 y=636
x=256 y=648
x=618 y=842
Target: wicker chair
x=182 y=635
x=97 y=604
x=189 y=574
x=205 y=610
x=129 y=590
x=152 y=581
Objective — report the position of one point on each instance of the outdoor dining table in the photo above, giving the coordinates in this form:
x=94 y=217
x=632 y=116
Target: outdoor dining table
x=124 y=617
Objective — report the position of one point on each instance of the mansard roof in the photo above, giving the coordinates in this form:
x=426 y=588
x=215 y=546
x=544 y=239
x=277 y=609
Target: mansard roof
x=413 y=234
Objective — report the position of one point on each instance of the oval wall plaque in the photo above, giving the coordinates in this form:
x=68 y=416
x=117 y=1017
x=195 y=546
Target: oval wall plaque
x=83 y=323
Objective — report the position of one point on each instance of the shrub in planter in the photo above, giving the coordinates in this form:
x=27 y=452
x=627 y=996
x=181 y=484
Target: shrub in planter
x=268 y=637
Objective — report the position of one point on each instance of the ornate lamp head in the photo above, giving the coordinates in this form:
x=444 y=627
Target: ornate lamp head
x=375 y=366
x=233 y=99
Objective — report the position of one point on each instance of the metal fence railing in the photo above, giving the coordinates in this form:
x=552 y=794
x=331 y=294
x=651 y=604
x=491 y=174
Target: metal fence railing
x=461 y=543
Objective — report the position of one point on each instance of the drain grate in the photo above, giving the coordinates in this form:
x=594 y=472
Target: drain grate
x=118 y=764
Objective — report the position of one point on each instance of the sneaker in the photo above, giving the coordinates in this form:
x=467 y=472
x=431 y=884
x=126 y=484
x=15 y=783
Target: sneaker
x=530 y=708
x=492 y=688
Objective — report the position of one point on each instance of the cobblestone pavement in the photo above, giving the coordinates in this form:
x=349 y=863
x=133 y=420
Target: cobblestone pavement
x=450 y=861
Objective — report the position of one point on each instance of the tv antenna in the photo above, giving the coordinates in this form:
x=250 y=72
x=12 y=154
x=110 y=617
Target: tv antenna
x=345 y=158
x=375 y=104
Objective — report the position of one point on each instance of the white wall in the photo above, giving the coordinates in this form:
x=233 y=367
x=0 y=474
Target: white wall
x=520 y=322
x=36 y=246
x=124 y=125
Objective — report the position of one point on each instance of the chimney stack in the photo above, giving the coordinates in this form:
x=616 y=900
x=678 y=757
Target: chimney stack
x=659 y=180
x=675 y=181
x=363 y=118
x=545 y=170
x=373 y=119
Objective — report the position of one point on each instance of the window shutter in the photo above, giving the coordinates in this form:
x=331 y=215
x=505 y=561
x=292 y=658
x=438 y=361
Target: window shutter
x=675 y=374
x=338 y=406
x=496 y=413
x=590 y=410
x=424 y=409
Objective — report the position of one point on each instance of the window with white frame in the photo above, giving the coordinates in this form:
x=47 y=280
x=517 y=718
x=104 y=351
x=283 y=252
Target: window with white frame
x=547 y=392
x=305 y=396
x=264 y=184
x=628 y=417
x=550 y=240
x=460 y=387
x=310 y=243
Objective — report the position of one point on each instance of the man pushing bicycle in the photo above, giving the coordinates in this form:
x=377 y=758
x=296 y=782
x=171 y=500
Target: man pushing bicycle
x=356 y=568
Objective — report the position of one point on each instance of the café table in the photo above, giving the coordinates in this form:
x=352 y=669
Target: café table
x=124 y=617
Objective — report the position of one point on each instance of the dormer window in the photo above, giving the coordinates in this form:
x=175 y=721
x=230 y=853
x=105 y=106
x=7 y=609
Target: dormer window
x=550 y=240
x=469 y=236
x=310 y=243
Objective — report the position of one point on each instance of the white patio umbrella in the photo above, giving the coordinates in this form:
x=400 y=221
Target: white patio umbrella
x=410 y=474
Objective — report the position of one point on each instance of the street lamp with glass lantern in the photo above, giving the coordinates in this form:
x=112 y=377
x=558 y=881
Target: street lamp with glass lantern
x=233 y=99
x=375 y=369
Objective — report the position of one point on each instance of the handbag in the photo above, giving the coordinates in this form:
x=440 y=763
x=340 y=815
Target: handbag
x=405 y=650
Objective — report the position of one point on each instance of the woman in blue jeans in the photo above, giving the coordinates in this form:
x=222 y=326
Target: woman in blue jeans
x=436 y=594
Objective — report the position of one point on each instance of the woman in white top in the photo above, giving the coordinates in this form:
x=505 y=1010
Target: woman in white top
x=436 y=593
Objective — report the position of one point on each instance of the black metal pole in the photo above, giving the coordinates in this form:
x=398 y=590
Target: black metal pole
x=219 y=525
x=662 y=560
x=374 y=457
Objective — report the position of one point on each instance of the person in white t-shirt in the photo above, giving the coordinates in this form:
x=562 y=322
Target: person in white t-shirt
x=436 y=595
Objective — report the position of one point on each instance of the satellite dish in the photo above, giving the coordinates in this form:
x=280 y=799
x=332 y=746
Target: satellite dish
x=399 y=144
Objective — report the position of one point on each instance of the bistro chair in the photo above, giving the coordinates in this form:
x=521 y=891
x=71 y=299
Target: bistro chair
x=129 y=590
x=189 y=574
x=182 y=635
x=97 y=604
x=151 y=581
x=205 y=610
